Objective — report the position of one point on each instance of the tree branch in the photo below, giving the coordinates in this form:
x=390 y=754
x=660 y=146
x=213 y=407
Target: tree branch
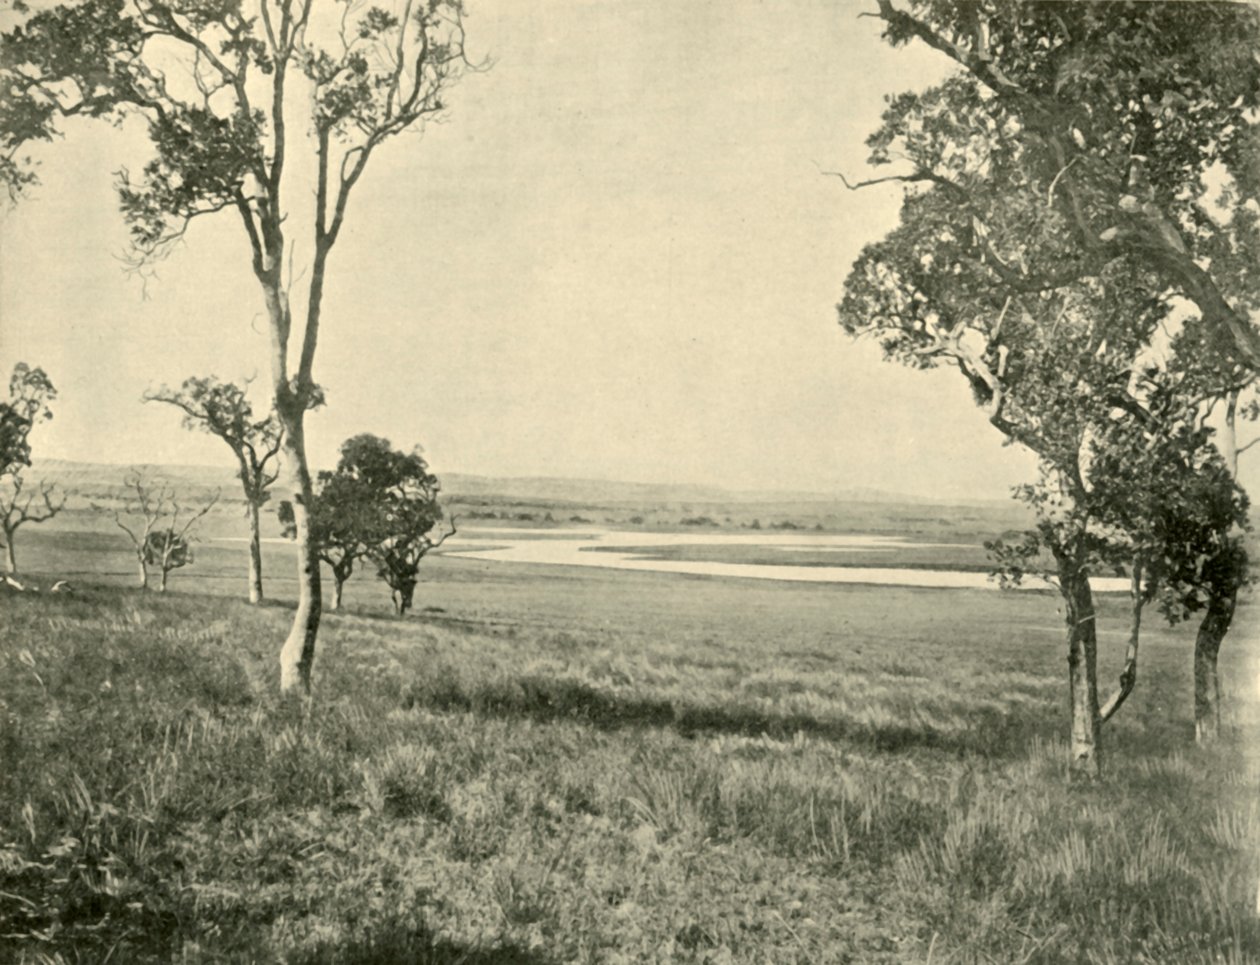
x=1128 y=676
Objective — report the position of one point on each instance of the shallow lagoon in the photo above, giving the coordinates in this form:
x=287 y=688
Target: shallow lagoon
x=615 y=549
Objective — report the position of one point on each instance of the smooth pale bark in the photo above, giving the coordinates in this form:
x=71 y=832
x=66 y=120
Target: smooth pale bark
x=1207 y=683
x=1220 y=612
x=1128 y=676
x=297 y=656
x=255 y=555
x=342 y=570
x=10 y=555
x=1085 y=749
x=162 y=585
x=144 y=575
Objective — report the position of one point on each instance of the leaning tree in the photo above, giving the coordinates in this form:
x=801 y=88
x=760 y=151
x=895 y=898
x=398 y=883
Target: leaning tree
x=1077 y=140
x=223 y=410
x=218 y=85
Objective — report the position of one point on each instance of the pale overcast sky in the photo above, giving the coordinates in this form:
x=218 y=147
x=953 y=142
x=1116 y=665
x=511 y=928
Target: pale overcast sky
x=616 y=258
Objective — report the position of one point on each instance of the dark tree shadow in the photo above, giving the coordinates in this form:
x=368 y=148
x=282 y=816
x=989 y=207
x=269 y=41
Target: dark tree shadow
x=405 y=946
x=991 y=733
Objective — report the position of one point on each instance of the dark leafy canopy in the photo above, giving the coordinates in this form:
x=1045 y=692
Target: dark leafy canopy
x=379 y=502
x=406 y=504
x=1147 y=493
x=1161 y=484
x=344 y=519
x=1076 y=136
x=30 y=391
x=1129 y=470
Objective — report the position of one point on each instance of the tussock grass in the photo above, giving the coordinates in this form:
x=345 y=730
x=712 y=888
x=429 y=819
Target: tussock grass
x=581 y=782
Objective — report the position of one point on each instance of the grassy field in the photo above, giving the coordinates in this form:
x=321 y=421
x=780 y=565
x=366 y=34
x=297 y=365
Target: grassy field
x=552 y=765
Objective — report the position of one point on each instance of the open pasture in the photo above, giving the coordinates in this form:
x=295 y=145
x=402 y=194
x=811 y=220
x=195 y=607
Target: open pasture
x=549 y=764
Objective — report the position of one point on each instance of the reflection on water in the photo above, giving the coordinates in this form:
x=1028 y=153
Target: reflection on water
x=580 y=550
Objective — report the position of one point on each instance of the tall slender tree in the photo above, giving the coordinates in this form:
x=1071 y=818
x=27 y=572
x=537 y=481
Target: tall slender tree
x=223 y=410
x=217 y=85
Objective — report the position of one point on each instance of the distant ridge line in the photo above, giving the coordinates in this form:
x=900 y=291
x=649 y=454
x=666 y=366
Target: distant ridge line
x=552 y=488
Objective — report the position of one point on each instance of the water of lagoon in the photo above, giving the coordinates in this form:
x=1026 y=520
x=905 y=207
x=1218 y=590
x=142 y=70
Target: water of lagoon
x=610 y=549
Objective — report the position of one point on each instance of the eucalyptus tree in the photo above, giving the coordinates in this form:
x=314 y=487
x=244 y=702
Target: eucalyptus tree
x=1050 y=372
x=379 y=504
x=1073 y=145
x=30 y=393
x=19 y=506
x=223 y=410
x=406 y=508
x=218 y=85
x=159 y=526
x=1212 y=380
x=413 y=531
x=1100 y=123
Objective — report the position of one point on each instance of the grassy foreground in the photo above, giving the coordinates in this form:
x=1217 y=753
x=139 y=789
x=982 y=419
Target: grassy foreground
x=606 y=767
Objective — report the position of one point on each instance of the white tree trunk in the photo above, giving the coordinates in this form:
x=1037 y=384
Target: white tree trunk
x=297 y=656
x=1085 y=752
x=255 y=556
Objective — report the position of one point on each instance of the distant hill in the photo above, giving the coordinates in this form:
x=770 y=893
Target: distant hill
x=99 y=480
x=103 y=480
x=603 y=491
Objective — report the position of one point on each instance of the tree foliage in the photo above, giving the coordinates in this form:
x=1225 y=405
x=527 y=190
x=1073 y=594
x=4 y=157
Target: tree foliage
x=343 y=520
x=223 y=410
x=379 y=504
x=30 y=392
x=1077 y=136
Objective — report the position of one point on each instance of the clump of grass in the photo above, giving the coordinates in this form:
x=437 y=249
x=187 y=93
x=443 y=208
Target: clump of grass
x=407 y=782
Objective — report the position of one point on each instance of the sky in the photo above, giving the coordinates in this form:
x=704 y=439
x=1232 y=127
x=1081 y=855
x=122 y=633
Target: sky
x=617 y=257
